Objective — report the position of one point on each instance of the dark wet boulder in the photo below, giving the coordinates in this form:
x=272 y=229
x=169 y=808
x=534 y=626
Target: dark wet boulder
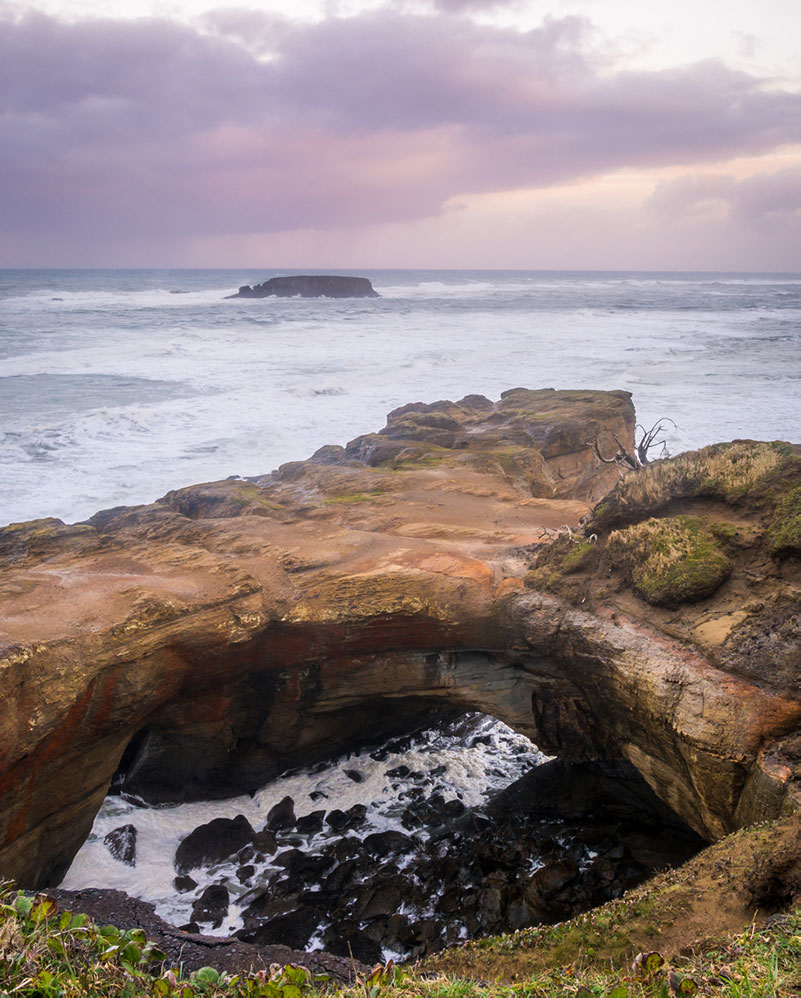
x=357 y=815
x=121 y=843
x=389 y=843
x=380 y=896
x=300 y=864
x=346 y=938
x=244 y=873
x=344 y=847
x=294 y=929
x=265 y=841
x=310 y=286
x=309 y=824
x=211 y=906
x=337 y=820
x=246 y=855
x=212 y=842
x=398 y=934
x=281 y=816
x=342 y=876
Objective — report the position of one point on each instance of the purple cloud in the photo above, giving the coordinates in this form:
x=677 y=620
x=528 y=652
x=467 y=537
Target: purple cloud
x=752 y=199
x=463 y=6
x=149 y=129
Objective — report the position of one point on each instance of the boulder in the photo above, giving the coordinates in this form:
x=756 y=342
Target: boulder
x=309 y=824
x=211 y=906
x=294 y=929
x=212 y=842
x=281 y=816
x=121 y=843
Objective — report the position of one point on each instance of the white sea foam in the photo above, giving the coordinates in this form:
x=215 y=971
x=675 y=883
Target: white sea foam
x=238 y=387
x=476 y=758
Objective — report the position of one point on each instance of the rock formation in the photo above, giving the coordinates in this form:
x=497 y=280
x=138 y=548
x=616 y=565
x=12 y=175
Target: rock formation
x=198 y=645
x=306 y=286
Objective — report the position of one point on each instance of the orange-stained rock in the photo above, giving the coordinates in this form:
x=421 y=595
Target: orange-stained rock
x=235 y=628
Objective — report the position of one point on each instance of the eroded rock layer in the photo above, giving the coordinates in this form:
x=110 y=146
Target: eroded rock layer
x=229 y=630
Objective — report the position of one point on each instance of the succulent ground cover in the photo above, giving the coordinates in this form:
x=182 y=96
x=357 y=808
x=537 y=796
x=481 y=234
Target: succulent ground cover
x=48 y=954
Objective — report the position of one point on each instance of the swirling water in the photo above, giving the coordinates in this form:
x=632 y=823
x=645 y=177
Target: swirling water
x=467 y=760
x=116 y=386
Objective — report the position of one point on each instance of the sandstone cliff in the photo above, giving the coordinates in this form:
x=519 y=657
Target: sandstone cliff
x=200 y=644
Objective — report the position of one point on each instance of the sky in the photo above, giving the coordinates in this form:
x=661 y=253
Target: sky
x=571 y=134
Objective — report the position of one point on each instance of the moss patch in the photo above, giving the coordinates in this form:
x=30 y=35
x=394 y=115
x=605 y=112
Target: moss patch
x=670 y=561
x=353 y=497
x=565 y=558
x=784 y=532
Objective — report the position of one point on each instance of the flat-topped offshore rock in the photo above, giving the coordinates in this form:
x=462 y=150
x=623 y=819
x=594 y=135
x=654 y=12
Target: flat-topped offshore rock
x=197 y=646
x=310 y=286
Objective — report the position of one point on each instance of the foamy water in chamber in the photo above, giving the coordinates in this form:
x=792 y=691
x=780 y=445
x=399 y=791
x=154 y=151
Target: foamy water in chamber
x=466 y=761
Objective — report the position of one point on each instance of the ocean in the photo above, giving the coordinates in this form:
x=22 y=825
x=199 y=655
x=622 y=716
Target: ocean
x=119 y=385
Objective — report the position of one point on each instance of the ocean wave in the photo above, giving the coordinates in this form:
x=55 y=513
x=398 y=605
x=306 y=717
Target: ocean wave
x=119 y=404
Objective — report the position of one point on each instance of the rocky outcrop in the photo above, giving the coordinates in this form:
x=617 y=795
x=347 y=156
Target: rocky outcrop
x=196 y=646
x=309 y=286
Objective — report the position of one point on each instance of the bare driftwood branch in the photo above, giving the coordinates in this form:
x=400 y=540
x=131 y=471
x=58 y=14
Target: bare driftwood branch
x=653 y=438
x=626 y=460
x=622 y=458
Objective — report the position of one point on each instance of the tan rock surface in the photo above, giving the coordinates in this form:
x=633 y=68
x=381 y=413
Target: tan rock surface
x=235 y=628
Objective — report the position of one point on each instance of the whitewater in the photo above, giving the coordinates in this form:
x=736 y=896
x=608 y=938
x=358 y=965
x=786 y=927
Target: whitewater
x=117 y=386
x=468 y=761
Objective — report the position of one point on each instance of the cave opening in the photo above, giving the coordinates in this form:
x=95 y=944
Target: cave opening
x=454 y=829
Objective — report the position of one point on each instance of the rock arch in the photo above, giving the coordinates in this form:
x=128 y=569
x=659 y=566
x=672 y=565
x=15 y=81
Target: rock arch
x=242 y=626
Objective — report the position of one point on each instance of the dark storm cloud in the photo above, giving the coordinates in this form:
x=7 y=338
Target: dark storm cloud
x=150 y=128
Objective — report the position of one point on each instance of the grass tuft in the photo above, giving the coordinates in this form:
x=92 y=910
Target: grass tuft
x=784 y=532
x=670 y=561
x=727 y=472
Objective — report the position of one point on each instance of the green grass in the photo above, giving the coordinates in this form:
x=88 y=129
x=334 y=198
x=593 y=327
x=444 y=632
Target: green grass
x=45 y=953
x=728 y=472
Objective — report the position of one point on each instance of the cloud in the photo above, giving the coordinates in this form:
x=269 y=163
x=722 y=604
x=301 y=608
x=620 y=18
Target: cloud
x=469 y=6
x=756 y=198
x=149 y=130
